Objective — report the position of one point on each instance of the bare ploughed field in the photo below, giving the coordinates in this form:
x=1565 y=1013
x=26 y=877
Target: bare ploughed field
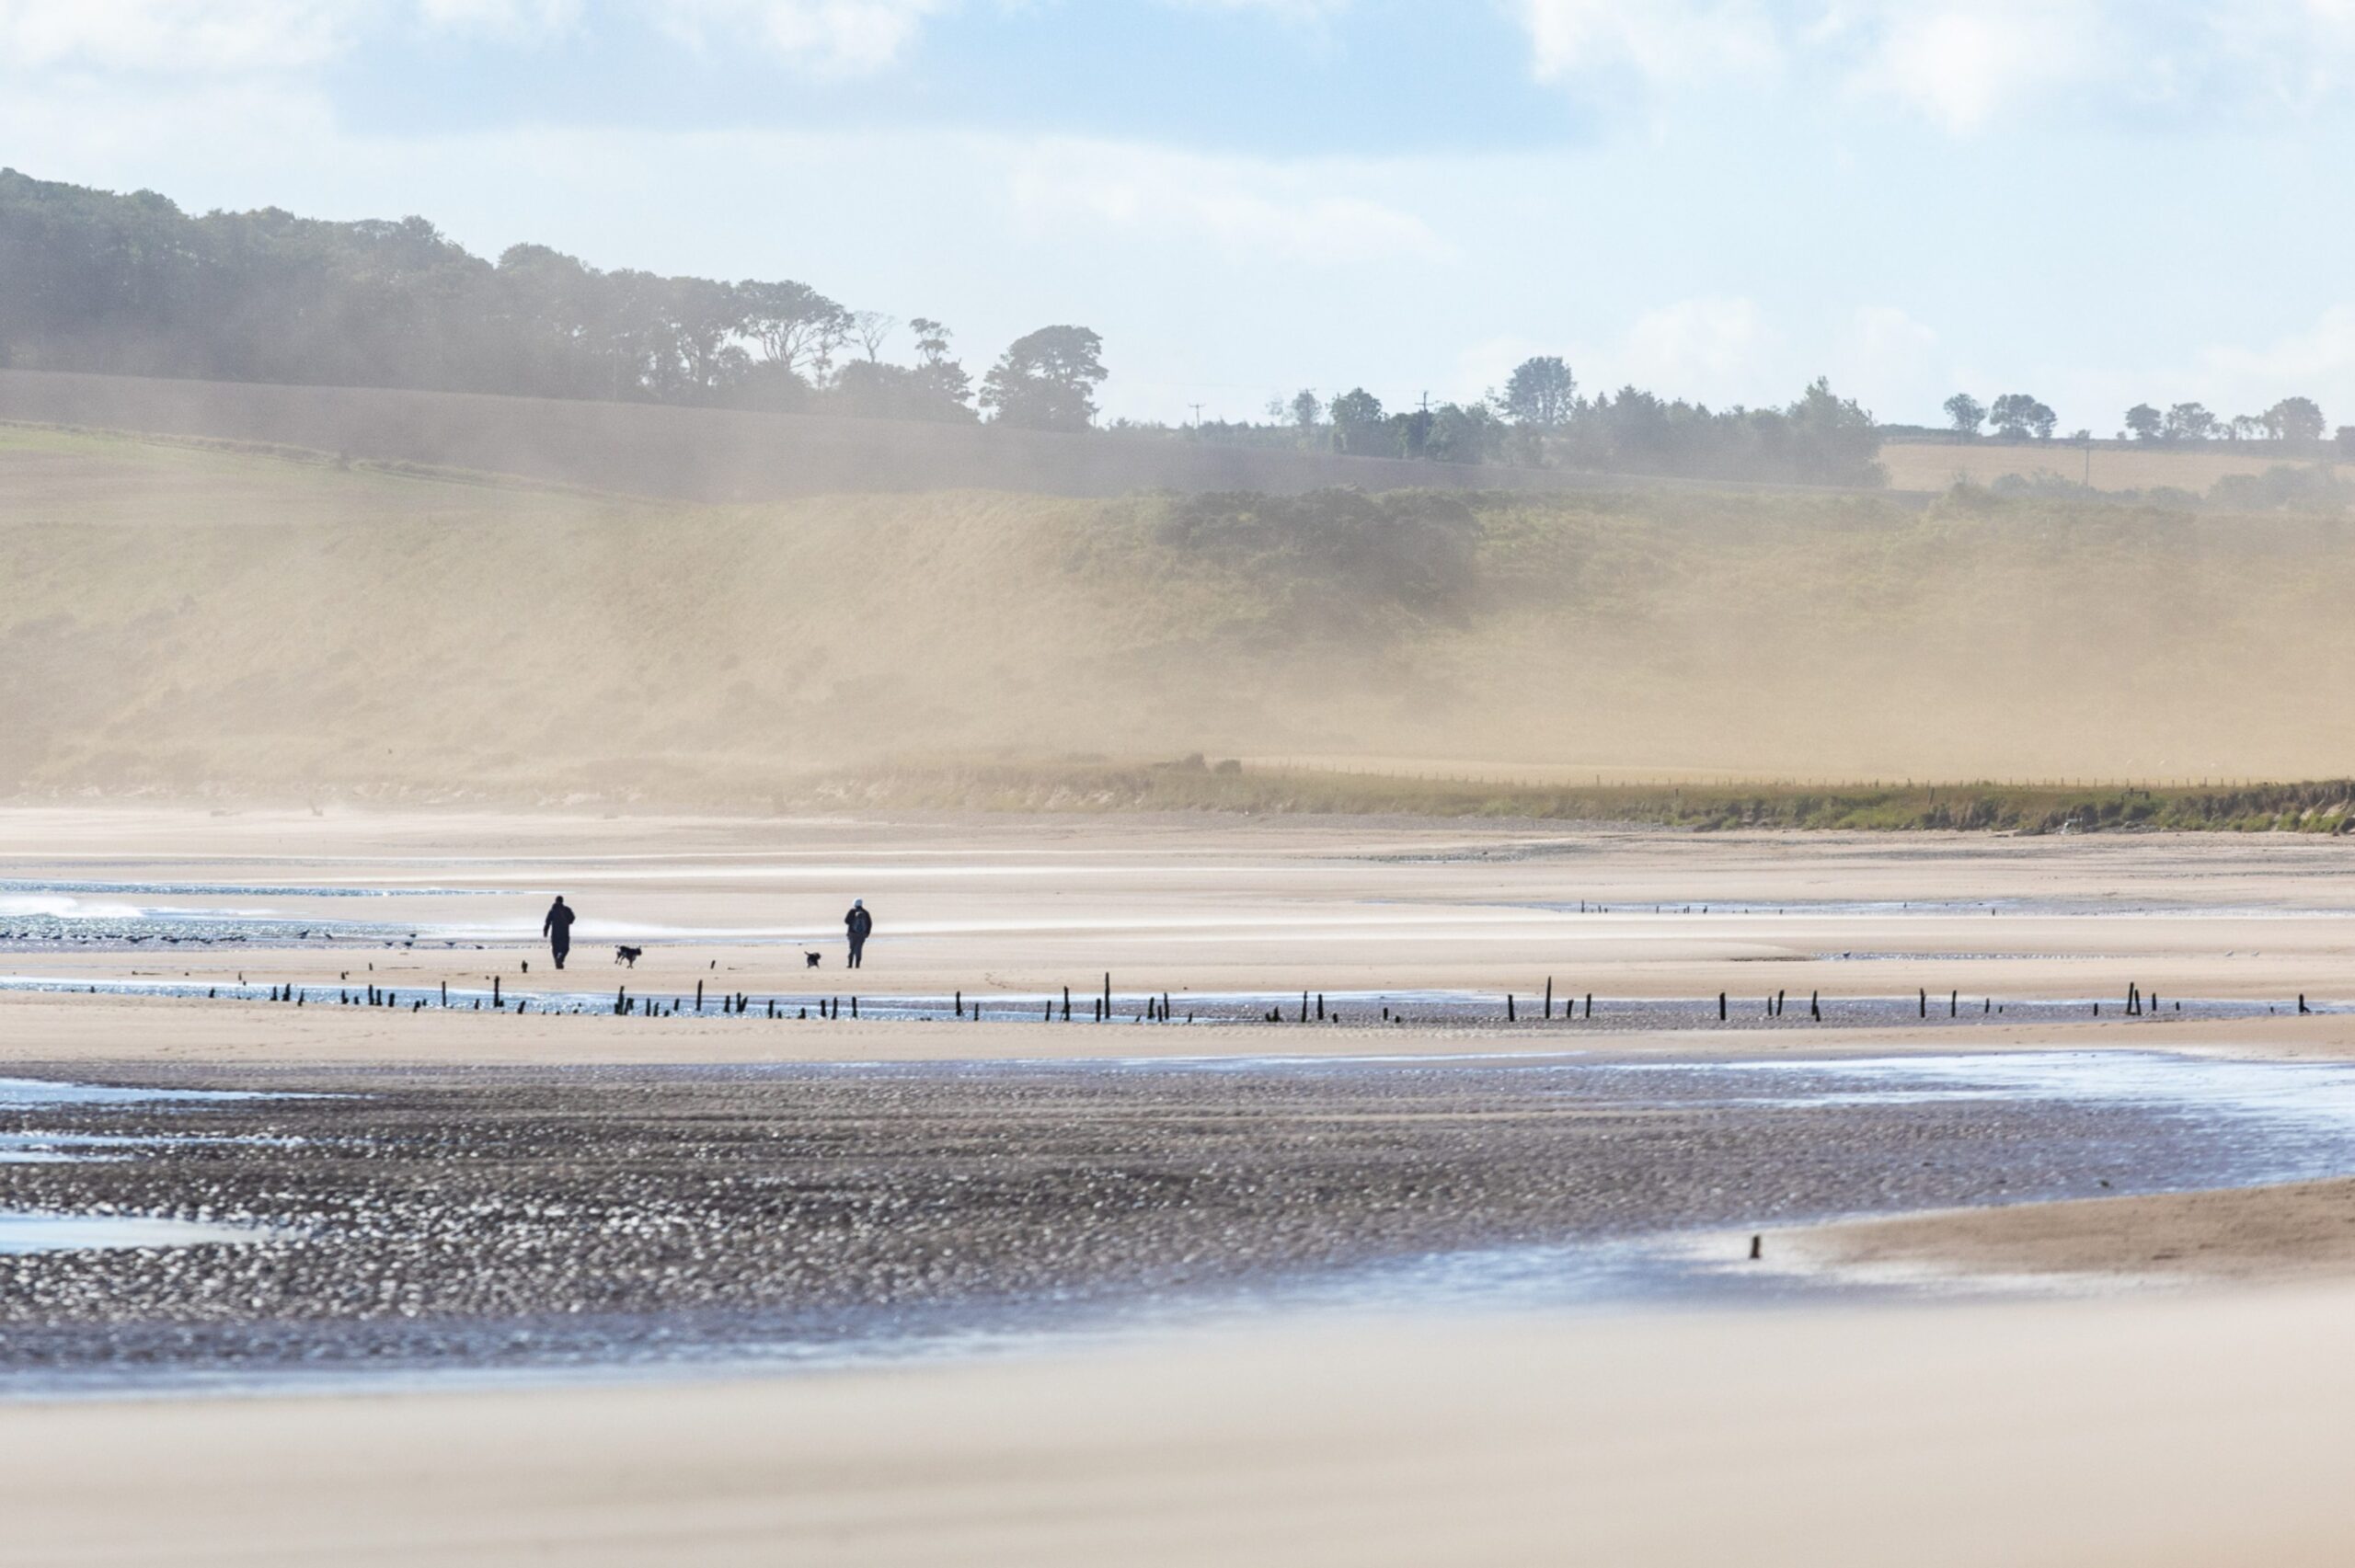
x=468 y=1193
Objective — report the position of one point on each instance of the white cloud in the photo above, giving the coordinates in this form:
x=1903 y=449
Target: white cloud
x=1664 y=41
x=2319 y=362
x=1962 y=64
x=1959 y=65
x=843 y=36
x=1284 y=10
x=1714 y=341
x=1291 y=211
x=1888 y=361
x=180 y=37
x=1487 y=365
x=501 y=18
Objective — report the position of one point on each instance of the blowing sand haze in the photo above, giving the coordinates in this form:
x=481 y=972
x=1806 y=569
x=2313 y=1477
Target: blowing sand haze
x=1170 y=784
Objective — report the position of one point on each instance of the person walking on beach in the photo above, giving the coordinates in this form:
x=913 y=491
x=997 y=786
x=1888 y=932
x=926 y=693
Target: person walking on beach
x=858 y=924
x=557 y=929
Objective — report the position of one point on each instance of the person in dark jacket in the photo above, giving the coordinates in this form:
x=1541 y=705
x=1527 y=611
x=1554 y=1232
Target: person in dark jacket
x=557 y=929
x=860 y=925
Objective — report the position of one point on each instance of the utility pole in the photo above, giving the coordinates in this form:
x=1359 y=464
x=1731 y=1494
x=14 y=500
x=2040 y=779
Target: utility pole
x=1198 y=414
x=1427 y=402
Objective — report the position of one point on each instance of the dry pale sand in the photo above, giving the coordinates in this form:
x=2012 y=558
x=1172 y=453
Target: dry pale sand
x=2137 y=1433
x=2183 y=1428
x=2294 y=1231
x=1000 y=909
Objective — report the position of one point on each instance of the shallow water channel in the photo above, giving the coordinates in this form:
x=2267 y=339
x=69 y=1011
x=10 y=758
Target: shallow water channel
x=258 y=1226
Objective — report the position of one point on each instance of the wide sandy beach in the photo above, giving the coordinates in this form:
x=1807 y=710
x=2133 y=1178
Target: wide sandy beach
x=2146 y=1378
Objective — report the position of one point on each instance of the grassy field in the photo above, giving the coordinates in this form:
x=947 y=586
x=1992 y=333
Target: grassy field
x=1194 y=784
x=1933 y=467
x=191 y=620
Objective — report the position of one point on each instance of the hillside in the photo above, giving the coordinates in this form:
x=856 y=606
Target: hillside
x=185 y=619
x=705 y=454
x=1934 y=465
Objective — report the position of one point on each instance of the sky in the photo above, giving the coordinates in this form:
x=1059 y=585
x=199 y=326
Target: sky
x=2096 y=203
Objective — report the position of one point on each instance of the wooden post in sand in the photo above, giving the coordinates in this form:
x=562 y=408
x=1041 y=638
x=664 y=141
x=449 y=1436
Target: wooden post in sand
x=1509 y=1017
x=961 y=1004
x=1721 y=1007
x=1549 y=998
x=1051 y=1006
x=494 y=992
x=445 y=993
x=698 y=996
x=1815 y=1005
x=1954 y=1001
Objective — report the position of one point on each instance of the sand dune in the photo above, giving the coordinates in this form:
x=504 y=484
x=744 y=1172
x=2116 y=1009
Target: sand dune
x=187 y=620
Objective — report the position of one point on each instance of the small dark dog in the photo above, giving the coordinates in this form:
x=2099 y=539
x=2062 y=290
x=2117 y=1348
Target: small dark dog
x=629 y=956
x=809 y=959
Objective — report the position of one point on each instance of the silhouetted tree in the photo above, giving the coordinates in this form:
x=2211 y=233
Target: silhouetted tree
x=1460 y=434
x=1541 y=393
x=798 y=329
x=947 y=391
x=1359 y=426
x=2017 y=416
x=2189 y=422
x=2147 y=422
x=1047 y=380
x=1966 y=413
x=871 y=329
x=2295 y=420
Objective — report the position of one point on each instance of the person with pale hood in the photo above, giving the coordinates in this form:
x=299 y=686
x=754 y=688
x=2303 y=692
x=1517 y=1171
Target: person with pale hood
x=859 y=925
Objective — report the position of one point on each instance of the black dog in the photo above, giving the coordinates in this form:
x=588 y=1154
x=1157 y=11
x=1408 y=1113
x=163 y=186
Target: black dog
x=629 y=956
x=810 y=959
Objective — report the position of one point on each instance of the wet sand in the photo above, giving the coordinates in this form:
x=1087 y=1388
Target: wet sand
x=1009 y=913
x=2191 y=1427
x=1221 y=907
x=550 y=1219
